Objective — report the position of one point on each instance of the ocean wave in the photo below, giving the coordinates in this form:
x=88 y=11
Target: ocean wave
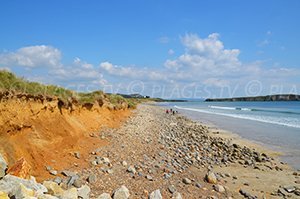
x=289 y=122
x=253 y=109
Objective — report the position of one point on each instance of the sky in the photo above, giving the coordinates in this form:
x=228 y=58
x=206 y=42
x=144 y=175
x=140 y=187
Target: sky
x=169 y=49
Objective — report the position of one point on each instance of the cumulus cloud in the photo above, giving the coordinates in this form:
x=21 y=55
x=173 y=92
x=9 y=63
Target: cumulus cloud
x=32 y=56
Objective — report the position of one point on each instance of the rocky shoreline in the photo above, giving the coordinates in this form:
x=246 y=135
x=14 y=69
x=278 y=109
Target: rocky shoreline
x=158 y=155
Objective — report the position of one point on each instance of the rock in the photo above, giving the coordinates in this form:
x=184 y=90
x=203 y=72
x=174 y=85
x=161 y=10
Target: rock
x=176 y=195
x=198 y=185
x=172 y=189
x=124 y=163
x=84 y=192
x=92 y=178
x=219 y=188
x=70 y=194
x=46 y=196
x=289 y=189
x=53 y=188
x=121 y=193
x=155 y=195
x=186 y=181
x=10 y=182
x=77 y=155
x=3 y=166
x=23 y=192
x=148 y=177
x=77 y=183
x=131 y=169
x=246 y=194
x=68 y=173
x=104 y=196
x=20 y=169
x=3 y=195
x=71 y=180
x=53 y=172
x=57 y=180
x=105 y=160
x=211 y=178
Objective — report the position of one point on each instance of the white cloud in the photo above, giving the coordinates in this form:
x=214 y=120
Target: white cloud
x=32 y=56
x=171 y=51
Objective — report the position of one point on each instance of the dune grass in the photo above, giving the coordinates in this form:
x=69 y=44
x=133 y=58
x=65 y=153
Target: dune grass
x=10 y=82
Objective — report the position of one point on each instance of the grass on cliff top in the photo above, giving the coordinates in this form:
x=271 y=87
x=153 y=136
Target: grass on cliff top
x=10 y=82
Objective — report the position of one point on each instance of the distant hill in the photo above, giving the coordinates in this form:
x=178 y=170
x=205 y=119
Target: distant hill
x=280 y=97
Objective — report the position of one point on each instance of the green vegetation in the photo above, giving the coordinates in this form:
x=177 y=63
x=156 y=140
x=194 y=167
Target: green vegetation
x=10 y=82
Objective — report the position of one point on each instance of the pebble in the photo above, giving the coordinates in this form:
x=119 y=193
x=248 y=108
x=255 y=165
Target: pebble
x=77 y=155
x=124 y=163
x=155 y=195
x=171 y=188
x=176 y=195
x=131 y=169
x=219 y=188
x=121 y=193
x=92 y=178
x=211 y=178
x=186 y=181
x=148 y=177
x=53 y=172
x=104 y=196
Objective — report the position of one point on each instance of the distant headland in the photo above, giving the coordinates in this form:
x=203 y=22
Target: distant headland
x=280 y=97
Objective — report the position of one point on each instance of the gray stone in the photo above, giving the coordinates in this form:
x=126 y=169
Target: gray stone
x=131 y=169
x=219 y=188
x=176 y=195
x=3 y=166
x=155 y=195
x=289 y=189
x=71 y=180
x=68 y=173
x=53 y=172
x=148 y=177
x=77 y=183
x=92 y=178
x=84 y=192
x=172 y=189
x=186 y=181
x=121 y=193
x=9 y=183
x=57 y=180
x=104 y=196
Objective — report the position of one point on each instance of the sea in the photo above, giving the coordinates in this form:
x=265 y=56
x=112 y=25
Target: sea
x=275 y=125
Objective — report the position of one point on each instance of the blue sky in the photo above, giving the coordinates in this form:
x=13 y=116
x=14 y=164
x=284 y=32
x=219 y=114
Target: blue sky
x=159 y=48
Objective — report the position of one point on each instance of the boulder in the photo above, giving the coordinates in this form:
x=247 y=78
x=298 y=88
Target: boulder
x=53 y=188
x=70 y=194
x=84 y=192
x=20 y=169
x=23 y=192
x=3 y=195
x=104 y=196
x=155 y=195
x=121 y=193
x=9 y=183
x=3 y=166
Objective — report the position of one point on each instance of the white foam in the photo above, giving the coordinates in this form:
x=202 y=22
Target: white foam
x=285 y=121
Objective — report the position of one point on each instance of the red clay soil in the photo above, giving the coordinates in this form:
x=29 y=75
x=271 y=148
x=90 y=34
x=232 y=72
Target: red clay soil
x=45 y=137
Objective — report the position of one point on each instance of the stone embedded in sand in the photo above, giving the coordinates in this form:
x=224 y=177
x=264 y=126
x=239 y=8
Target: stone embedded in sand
x=104 y=196
x=211 y=178
x=3 y=195
x=172 y=189
x=155 y=195
x=20 y=169
x=121 y=193
x=3 y=166
x=77 y=155
x=131 y=169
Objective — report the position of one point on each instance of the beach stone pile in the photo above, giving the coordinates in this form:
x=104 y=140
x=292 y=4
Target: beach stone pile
x=192 y=145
